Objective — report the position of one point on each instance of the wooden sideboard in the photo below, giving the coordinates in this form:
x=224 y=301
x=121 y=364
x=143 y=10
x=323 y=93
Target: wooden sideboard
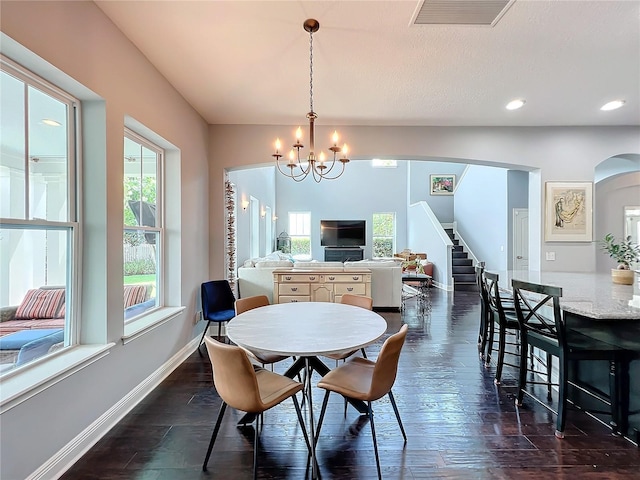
x=326 y=285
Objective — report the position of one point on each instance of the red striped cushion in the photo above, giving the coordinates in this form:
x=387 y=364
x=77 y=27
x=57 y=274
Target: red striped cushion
x=134 y=294
x=39 y=303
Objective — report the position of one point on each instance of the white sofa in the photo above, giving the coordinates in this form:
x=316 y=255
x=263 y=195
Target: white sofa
x=386 y=278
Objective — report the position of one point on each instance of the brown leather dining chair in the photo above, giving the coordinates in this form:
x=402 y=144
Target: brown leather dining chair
x=358 y=301
x=366 y=380
x=249 y=303
x=247 y=389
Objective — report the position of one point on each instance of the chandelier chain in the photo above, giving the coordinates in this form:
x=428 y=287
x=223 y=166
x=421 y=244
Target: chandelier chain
x=311 y=71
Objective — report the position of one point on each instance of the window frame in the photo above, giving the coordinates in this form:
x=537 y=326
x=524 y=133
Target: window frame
x=158 y=230
x=306 y=218
x=375 y=236
x=70 y=225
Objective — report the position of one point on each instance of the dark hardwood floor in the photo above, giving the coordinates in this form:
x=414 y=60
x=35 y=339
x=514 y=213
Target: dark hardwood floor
x=459 y=424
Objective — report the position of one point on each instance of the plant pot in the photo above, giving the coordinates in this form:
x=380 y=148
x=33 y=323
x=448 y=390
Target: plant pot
x=622 y=277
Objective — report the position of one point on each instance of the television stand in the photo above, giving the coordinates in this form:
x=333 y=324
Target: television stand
x=343 y=254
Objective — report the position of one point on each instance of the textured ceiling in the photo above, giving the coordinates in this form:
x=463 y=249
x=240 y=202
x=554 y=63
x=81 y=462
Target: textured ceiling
x=247 y=62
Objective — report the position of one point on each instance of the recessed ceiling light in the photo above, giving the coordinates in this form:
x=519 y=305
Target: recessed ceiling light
x=52 y=123
x=612 y=105
x=515 y=104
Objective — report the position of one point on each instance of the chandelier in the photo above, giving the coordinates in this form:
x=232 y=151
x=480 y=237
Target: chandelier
x=317 y=165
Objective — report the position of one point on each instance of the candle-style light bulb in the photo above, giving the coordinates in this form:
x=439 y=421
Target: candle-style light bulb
x=345 y=150
x=299 y=134
x=335 y=138
x=292 y=156
x=278 y=145
x=321 y=158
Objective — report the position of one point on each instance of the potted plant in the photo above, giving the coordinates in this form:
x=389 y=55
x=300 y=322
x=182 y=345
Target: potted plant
x=625 y=253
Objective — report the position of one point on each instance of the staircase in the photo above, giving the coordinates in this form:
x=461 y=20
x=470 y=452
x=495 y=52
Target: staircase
x=464 y=277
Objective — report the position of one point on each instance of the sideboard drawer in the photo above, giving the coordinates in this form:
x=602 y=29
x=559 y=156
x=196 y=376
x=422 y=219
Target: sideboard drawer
x=299 y=278
x=353 y=288
x=294 y=289
x=347 y=277
x=293 y=298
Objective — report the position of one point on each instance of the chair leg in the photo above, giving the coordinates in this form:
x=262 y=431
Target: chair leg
x=301 y=420
x=487 y=357
x=322 y=412
x=502 y=340
x=562 y=396
x=256 y=434
x=364 y=353
x=549 y=364
x=373 y=435
x=219 y=331
x=202 y=338
x=395 y=409
x=223 y=407
x=522 y=374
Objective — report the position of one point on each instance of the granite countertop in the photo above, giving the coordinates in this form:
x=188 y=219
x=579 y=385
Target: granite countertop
x=592 y=295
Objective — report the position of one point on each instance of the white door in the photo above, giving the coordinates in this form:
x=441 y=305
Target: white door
x=520 y=239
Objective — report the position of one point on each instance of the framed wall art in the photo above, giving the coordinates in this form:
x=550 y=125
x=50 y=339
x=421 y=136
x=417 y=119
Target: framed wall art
x=568 y=212
x=442 y=184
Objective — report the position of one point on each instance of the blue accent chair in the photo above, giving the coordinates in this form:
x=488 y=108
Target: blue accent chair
x=218 y=305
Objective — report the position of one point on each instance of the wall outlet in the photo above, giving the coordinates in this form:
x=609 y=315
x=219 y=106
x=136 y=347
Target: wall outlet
x=198 y=317
x=551 y=256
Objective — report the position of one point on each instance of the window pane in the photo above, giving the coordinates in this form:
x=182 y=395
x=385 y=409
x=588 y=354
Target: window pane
x=12 y=147
x=142 y=246
x=34 y=272
x=383 y=234
x=48 y=157
x=140 y=269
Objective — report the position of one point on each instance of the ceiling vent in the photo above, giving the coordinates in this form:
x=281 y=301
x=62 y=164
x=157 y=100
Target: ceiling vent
x=461 y=12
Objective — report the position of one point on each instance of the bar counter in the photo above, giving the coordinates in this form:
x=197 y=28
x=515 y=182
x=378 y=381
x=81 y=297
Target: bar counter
x=591 y=295
x=593 y=305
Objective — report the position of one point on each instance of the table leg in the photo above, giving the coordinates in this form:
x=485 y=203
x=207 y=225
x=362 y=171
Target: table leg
x=314 y=471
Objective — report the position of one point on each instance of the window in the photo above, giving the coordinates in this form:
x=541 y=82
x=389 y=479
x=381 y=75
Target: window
x=384 y=234
x=254 y=226
x=268 y=231
x=378 y=163
x=38 y=217
x=300 y=233
x=143 y=225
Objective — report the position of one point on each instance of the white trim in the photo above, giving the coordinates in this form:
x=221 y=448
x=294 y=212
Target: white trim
x=59 y=463
x=24 y=384
x=137 y=328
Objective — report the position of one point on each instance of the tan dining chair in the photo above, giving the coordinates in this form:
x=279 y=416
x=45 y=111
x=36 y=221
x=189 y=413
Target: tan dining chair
x=249 y=303
x=247 y=389
x=362 y=379
x=358 y=301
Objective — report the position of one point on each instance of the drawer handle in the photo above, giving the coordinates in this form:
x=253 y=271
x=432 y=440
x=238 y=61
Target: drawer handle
x=294 y=301
x=349 y=289
x=287 y=278
x=332 y=278
x=294 y=289
x=356 y=277
x=312 y=278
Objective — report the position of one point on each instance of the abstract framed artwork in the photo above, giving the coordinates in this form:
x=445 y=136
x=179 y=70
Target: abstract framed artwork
x=568 y=212
x=442 y=184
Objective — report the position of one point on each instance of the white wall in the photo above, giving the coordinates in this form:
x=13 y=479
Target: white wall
x=481 y=214
x=258 y=183
x=441 y=205
x=551 y=153
x=359 y=192
x=611 y=195
x=75 y=39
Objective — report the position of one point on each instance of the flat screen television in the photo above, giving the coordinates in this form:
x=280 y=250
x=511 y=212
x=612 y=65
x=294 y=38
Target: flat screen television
x=342 y=233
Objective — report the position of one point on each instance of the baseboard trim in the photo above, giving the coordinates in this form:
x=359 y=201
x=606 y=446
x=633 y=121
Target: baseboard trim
x=64 y=459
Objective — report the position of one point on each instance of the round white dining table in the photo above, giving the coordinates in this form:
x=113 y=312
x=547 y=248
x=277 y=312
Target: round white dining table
x=306 y=330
